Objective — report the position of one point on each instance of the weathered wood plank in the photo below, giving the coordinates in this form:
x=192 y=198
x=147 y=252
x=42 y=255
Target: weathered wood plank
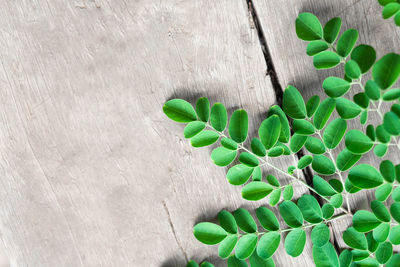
x=294 y=67
x=93 y=174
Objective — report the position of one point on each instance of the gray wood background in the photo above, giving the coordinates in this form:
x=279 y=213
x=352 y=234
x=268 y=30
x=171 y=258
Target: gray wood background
x=92 y=172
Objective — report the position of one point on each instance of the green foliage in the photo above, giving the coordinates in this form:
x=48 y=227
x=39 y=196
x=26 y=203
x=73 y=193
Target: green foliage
x=328 y=148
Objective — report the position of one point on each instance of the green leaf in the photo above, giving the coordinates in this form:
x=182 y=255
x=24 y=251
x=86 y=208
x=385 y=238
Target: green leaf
x=336 y=184
x=297 y=142
x=239 y=126
x=372 y=90
x=204 y=138
x=384 y=252
x=284 y=135
x=203 y=109
x=245 y=221
x=354 y=239
x=323 y=187
x=275 y=197
x=370 y=131
x=223 y=156
x=304 y=162
x=206 y=264
x=179 y=110
x=381 y=232
x=303 y=127
x=235 y=262
x=380 y=211
x=308 y=27
x=364 y=117
x=257 y=174
x=325 y=256
x=395 y=211
x=394 y=261
x=267 y=219
x=256 y=261
x=391 y=95
x=347 y=109
x=391 y=122
x=268 y=244
x=359 y=255
x=295 y=242
x=346 y=42
x=345 y=160
x=291 y=169
x=323 y=113
x=386 y=70
x=365 y=176
x=332 y=29
x=257 y=147
x=269 y=131
x=394 y=235
x=291 y=214
x=357 y=142
x=227 y=245
x=293 y=103
x=372 y=243
x=327 y=210
x=323 y=165
x=352 y=69
x=315 y=145
x=345 y=258
x=272 y=180
x=256 y=190
x=336 y=200
x=396 y=194
x=383 y=192
x=218 y=117
x=248 y=159
x=365 y=57
x=334 y=132
x=193 y=128
x=288 y=192
x=361 y=99
x=397 y=168
x=276 y=151
x=388 y=171
x=365 y=221
x=229 y=143
x=310 y=208
x=335 y=87
x=239 y=174
x=209 y=233
x=192 y=264
x=385 y=2
x=315 y=47
x=246 y=246
x=312 y=105
x=397 y=19
x=320 y=235
x=396 y=109
x=350 y=187
x=326 y=60
x=382 y=135
x=380 y=150
x=390 y=9
x=227 y=221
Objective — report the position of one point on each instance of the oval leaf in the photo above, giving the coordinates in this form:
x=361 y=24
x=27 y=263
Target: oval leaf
x=239 y=126
x=291 y=214
x=334 y=132
x=179 y=110
x=209 y=233
x=256 y=191
x=295 y=242
x=218 y=117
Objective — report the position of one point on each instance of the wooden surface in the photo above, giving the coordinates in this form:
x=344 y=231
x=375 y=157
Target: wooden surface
x=92 y=172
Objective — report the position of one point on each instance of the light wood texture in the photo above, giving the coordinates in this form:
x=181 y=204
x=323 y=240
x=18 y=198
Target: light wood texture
x=294 y=67
x=92 y=172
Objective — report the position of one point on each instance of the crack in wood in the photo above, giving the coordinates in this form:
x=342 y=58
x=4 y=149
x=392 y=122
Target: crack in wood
x=173 y=231
x=307 y=173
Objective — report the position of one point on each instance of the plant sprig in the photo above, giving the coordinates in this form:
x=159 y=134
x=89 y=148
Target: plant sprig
x=311 y=126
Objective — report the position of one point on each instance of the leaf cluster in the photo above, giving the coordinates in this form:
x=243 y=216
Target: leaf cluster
x=391 y=9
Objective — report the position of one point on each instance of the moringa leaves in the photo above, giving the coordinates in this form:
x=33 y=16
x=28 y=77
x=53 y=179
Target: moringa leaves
x=295 y=242
x=308 y=27
x=386 y=70
x=179 y=110
x=218 y=117
x=209 y=233
x=365 y=176
x=293 y=103
x=269 y=131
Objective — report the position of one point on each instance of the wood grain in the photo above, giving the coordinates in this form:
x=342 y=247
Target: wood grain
x=93 y=173
x=294 y=67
